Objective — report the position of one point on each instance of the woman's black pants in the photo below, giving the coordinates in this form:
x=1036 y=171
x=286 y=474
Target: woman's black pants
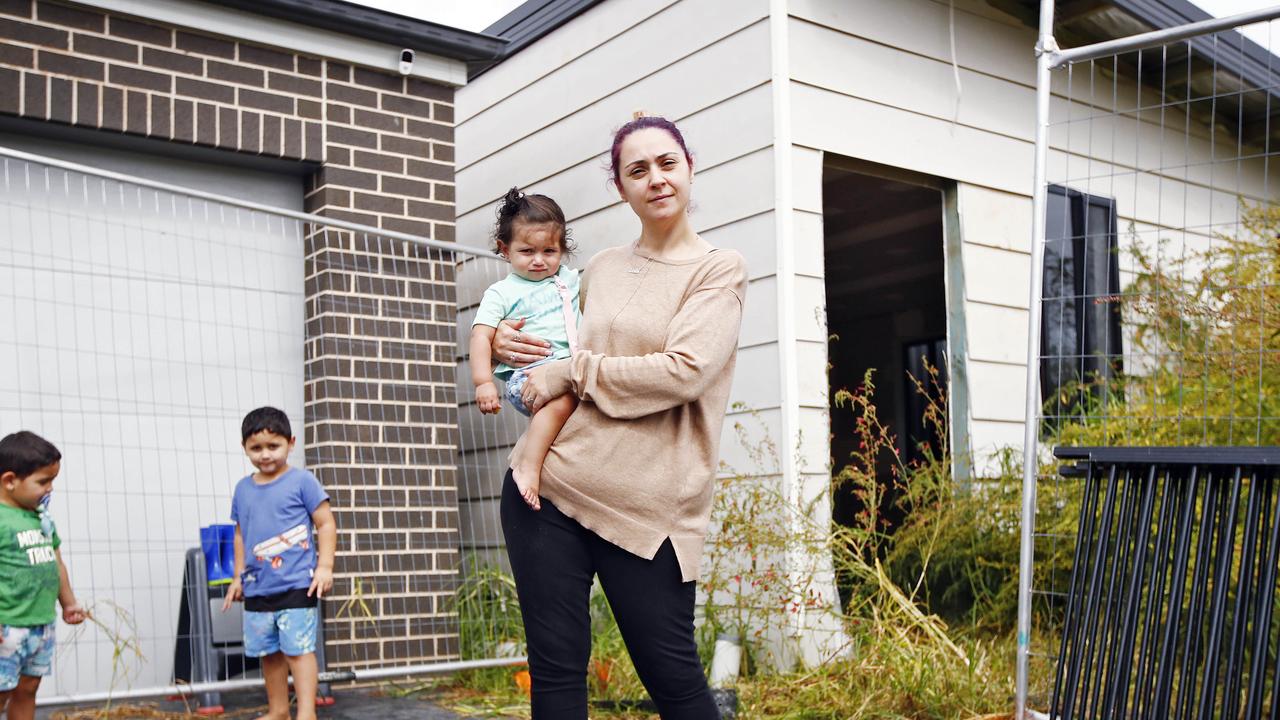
x=553 y=559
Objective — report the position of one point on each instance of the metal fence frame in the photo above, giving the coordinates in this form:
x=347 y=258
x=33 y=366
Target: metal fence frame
x=365 y=674
x=1050 y=57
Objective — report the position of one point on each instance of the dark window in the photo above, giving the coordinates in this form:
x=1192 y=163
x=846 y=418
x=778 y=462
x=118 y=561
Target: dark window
x=1080 y=341
x=918 y=358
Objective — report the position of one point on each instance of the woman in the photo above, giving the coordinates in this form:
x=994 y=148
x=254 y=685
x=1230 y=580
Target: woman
x=626 y=487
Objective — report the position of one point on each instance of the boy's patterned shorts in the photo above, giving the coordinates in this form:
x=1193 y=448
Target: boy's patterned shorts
x=25 y=651
x=292 y=632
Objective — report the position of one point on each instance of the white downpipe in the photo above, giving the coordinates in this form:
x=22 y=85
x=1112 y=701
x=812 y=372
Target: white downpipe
x=1044 y=47
x=783 y=214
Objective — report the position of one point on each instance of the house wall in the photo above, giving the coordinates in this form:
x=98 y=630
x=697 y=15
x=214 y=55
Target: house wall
x=868 y=86
x=543 y=120
x=373 y=147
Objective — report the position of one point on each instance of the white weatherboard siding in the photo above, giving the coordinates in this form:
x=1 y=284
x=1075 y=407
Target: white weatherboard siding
x=869 y=86
x=543 y=120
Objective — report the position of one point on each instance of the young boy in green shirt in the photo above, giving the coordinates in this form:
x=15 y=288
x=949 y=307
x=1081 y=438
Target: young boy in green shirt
x=32 y=571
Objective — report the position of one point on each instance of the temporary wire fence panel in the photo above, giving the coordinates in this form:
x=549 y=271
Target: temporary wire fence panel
x=142 y=323
x=1171 y=611
x=1158 y=323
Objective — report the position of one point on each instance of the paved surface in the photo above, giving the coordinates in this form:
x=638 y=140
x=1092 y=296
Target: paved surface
x=349 y=705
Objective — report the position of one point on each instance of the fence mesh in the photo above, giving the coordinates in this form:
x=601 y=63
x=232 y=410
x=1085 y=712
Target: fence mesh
x=142 y=324
x=1161 y=278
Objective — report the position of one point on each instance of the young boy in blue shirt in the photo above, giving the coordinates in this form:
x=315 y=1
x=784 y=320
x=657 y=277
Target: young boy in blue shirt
x=277 y=572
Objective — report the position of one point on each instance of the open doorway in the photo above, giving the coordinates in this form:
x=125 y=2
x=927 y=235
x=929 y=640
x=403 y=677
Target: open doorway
x=886 y=306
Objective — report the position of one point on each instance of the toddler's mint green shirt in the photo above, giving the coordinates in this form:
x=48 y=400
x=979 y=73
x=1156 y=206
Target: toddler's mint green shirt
x=539 y=303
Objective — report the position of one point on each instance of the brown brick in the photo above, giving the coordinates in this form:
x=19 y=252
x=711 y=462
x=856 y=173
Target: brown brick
x=292 y=138
x=228 y=128
x=431 y=130
x=34 y=34
x=19 y=56
x=184 y=121
x=379 y=121
x=444 y=232
x=271 y=141
x=136 y=112
x=406 y=106
x=17 y=8
x=406 y=187
x=206 y=45
x=87 y=105
x=294 y=84
x=442 y=152
x=266 y=101
x=352 y=216
x=444 y=193
x=430 y=170
x=10 y=91
x=351 y=136
x=378 y=161
x=262 y=56
x=379 y=80
x=431 y=210
x=178 y=62
x=144 y=32
x=348 y=94
x=337 y=71
x=374 y=370
x=112 y=109
x=145 y=79
x=338 y=114
x=310 y=66
x=250 y=131
x=70 y=17
x=60 y=64
x=102 y=47
x=333 y=197
x=379 y=204
x=429 y=90
x=404 y=225
x=61 y=99
x=313 y=142
x=205 y=90
x=394 y=350
x=406 y=146
x=310 y=109
x=235 y=73
x=442 y=113
x=161 y=117
x=378 y=456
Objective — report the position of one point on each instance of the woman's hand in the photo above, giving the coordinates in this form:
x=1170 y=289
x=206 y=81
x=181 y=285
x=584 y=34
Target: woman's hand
x=516 y=348
x=535 y=392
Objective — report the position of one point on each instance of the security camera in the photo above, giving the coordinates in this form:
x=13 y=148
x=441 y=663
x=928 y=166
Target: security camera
x=406 y=61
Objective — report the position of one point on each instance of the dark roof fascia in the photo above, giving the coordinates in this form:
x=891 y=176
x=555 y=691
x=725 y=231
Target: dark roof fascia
x=360 y=21
x=526 y=24
x=1240 y=55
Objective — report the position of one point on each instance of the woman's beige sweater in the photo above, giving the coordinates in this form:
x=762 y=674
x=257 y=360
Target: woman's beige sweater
x=636 y=461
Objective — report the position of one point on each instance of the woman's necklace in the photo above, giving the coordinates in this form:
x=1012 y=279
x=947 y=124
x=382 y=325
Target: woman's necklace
x=631 y=268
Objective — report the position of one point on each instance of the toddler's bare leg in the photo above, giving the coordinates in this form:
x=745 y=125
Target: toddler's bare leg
x=22 y=699
x=543 y=428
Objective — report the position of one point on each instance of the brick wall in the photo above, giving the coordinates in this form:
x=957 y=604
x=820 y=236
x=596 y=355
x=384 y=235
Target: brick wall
x=380 y=426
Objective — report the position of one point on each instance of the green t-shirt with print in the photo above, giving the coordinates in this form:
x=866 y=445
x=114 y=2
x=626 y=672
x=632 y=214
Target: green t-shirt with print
x=29 y=568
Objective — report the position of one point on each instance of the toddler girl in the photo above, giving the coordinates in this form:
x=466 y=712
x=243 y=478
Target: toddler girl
x=531 y=235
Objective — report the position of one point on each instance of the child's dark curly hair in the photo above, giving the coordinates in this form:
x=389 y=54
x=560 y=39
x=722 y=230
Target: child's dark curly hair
x=534 y=210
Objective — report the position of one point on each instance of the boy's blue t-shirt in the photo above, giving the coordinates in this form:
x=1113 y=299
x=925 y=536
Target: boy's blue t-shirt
x=538 y=302
x=275 y=525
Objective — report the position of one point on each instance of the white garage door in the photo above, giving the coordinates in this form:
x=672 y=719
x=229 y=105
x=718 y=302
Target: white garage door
x=139 y=327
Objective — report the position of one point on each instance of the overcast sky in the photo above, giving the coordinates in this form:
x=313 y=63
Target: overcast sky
x=476 y=15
